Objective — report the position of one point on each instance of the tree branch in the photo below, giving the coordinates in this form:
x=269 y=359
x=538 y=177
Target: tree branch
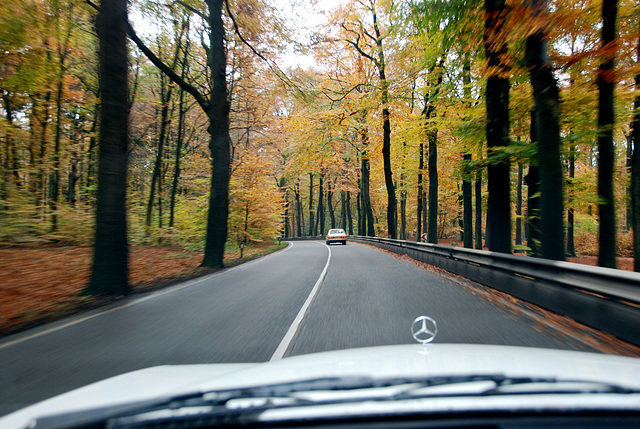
x=274 y=67
x=192 y=10
x=202 y=101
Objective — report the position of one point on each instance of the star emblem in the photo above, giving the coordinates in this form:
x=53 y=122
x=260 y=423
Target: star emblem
x=424 y=329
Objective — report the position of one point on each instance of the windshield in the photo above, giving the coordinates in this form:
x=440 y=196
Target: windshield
x=188 y=184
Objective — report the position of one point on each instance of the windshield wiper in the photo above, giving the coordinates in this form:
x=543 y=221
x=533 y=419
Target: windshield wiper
x=245 y=404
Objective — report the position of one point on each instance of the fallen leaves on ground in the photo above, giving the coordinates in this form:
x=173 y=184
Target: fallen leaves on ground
x=40 y=285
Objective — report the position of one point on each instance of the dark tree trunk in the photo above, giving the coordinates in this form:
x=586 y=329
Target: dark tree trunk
x=429 y=112
x=635 y=171
x=54 y=179
x=365 y=200
x=432 y=231
x=179 y=137
x=606 y=149
x=546 y=96
x=332 y=214
x=178 y=156
x=298 y=212
x=218 y=114
x=420 y=193
x=343 y=210
x=478 y=228
x=571 y=248
x=349 y=218
x=629 y=212
x=165 y=96
x=320 y=222
x=403 y=215
x=533 y=200
x=497 y=128
x=73 y=178
x=311 y=216
x=392 y=204
x=467 y=208
x=359 y=210
x=519 y=206
x=109 y=274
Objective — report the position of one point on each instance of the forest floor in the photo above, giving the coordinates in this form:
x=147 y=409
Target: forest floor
x=40 y=285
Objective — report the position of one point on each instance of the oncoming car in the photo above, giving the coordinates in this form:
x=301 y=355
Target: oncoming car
x=336 y=236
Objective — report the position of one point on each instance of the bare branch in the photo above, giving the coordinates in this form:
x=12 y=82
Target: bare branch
x=192 y=10
x=201 y=100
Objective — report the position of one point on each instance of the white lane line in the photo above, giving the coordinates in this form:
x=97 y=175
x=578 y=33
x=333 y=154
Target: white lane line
x=295 y=326
x=81 y=319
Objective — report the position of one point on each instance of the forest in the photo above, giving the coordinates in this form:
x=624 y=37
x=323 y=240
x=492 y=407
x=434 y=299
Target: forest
x=507 y=125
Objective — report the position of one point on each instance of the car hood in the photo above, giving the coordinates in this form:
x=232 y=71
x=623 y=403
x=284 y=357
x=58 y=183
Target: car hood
x=385 y=361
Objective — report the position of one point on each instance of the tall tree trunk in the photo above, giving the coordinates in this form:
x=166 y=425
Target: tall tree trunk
x=109 y=274
x=519 y=206
x=54 y=180
x=298 y=212
x=546 y=96
x=332 y=214
x=606 y=149
x=533 y=199
x=311 y=216
x=629 y=165
x=392 y=204
x=467 y=209
x=635 y=170
x=359 y=210
x=180 y=134
x=349 y=218
x=220 y=143
x=320 y=222
x=432 y=231
x=343 y=210
x=429 y=111
x=420 y=193
x=165 y=96
x=364 y=178
x=478 y=227
x=571 y=248
x=178 y=156
x=497 y=127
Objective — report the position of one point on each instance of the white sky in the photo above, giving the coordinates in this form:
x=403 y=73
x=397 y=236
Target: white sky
x=303 y=15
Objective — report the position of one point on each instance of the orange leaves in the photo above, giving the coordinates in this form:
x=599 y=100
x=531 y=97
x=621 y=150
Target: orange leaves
x=38 y=285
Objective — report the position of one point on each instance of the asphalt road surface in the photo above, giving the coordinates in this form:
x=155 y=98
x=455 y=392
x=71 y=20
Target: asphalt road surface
x=307 y=298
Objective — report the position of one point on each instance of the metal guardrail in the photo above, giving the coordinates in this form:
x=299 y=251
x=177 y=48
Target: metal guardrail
x=602 y=298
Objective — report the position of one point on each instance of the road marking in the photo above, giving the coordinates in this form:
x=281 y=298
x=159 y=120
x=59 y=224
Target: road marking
x=134 y=301
x=293 y=331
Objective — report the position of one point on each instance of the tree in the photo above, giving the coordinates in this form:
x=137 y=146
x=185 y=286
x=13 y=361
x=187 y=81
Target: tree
x=109 y=274
x=606 y=148
x=358 y=37
x=546 y=95
x=216 y=106
x=635 y=169
x=497 y=129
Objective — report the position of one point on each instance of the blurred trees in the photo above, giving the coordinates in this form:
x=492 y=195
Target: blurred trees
x=413 y=110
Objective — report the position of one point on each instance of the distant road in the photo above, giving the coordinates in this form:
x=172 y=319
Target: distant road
x=307 y=298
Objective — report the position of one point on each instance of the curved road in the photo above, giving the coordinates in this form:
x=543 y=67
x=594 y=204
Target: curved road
x=307 y=298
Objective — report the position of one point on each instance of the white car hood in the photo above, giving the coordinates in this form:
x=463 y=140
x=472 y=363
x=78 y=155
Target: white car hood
x=386 y=361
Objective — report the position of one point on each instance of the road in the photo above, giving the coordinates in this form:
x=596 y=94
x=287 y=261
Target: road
x=307 y=298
